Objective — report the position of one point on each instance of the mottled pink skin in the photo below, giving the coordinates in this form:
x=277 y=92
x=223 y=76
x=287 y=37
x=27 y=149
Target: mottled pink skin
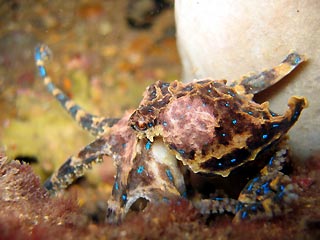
x=189 y=115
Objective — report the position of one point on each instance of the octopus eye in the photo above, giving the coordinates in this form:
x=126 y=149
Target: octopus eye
x=140 y=125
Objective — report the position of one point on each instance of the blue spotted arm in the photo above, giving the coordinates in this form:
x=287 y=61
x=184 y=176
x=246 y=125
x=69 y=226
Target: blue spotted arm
x=75 y=166
x=94 y=124
x=144 y=176
x=255 y=83
x=265 y=196
x=271 y=193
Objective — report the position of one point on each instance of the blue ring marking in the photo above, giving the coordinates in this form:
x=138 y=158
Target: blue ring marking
x=50 y=87
x=218 y=199
x=280 y=195
x=61 y=97
x=295 y=115
x=37 y=55
x=249 y=188
x=297 y=60
x=124 y=197
x=184 y=194
x=148 y=145
x=234 y=121
x=42 y=71
x=265 y=187
x=227 y=104
x=165 y=124
x=233 y=160
x=264 y=136
x=231 y=93
x=239 y=206
x=150 y=125
x=116 y=186
x=254 y=208
x=165 y=199
x=244 y=215
x=250 y=113
x=219 y=164
x=223 y=134
x=181 y=151
x=255 y=179
x=73 y=110
x=140 y=169
x=281 y=187
x=271 y=161
x=275 y=125
x=169 y=175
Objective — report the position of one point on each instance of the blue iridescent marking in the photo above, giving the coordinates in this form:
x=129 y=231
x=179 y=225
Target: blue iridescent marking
x=42 y=71
x=140 y=169
x=250 y=113
x=73 y=110
x=233 y=160
x=297 y=60
x=165 y=199
x=244 y=215
x=249 y=188
x=234 y=121
x=275 y=125
x=255 y=179
x=209 y=90
x=150 y=125
x=239 y=207
x=37 y=55
x=231 y=93
x=271 y=161
x=254 y=208
x=61 y=97
x=184 y=194
x=295 y=116
x=124 y=197
x=265 y=187
x=203 y=104
x=116 y=185
x=218 y=198
x=181 y=151
x=124 y=145
x=220 y=164
x=223 y=134
x=280 y=195
x=227 y=104
x=50 y=87
x=264 y=136
x=148 y=145
x=169 y=175
x=165 y=124
x=281 y=187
